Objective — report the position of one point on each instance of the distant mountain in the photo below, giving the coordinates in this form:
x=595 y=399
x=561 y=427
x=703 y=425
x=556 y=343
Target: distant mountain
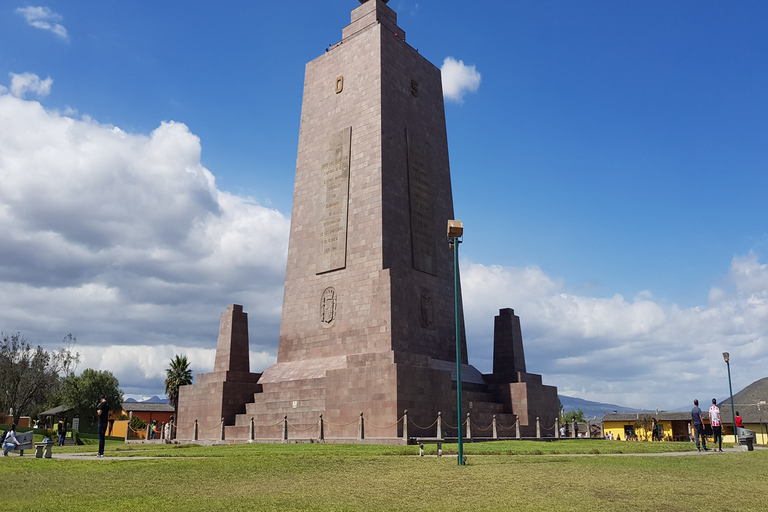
x=130 y=400
x=590 y=409
x=155 y=400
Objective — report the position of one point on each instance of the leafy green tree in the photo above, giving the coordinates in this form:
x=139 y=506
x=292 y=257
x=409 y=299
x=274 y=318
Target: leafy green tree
x=574 y=415
x=81 y=392
x=177 y=375
x=29 y=375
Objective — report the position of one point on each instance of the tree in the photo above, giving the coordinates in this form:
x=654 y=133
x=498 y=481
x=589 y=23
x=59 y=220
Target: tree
x=574 y=415
x=178 y=374
x=644 y=426
x=29 y=375
x=81 y=392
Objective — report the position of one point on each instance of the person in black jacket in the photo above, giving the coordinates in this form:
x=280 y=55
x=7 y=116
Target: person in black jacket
x=103 y=412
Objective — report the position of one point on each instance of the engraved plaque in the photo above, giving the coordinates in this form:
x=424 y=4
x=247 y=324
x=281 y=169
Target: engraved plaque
x=334 y=200
x=422 y=216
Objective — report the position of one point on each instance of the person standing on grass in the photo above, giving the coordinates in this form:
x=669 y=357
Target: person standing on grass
x=62 y=430
x=103 y=412
x=698 y=426
x=717 y=427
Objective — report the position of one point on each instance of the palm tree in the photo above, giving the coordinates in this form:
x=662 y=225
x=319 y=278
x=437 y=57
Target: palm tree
x=178 y=374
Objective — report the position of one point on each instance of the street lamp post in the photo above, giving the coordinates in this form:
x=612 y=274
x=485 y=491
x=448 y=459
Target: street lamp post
x=455 y=232
x=727 y=359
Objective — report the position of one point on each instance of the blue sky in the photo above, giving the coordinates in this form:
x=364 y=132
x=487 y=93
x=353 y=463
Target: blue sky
x=608 y=162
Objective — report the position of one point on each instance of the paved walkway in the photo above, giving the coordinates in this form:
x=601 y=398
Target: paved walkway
x=109 y=456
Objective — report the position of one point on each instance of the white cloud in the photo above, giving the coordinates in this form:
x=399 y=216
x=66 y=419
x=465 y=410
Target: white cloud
x=458 y=79
x=124 y=240
x=29 y=82
x=638 y=353
x=44 y=19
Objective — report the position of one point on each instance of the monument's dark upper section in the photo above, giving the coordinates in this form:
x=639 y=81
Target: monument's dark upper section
x=363 y=1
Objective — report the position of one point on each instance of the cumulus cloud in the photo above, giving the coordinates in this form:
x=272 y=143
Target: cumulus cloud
x=632 y=352
x=458 y=79
x=124 y=240
x=44 y=19
x=23 y=83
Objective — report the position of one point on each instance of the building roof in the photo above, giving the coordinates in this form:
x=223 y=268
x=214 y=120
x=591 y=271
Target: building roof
x=142 y=407
x=660 y=416
x=56 y=411
x=745 y=402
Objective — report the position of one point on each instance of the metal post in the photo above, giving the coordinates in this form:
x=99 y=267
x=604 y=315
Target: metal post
x=557 y=428
x=538 y=428
x=495 y=432
x=285 y=427
x=733 y=409
x=360 y=428
x=195 y=433
x=439 y=424
x=322 y=429
x=405 y=426
x=455 y=242
x=251 y=436
x=222 y=429
x=517 y=427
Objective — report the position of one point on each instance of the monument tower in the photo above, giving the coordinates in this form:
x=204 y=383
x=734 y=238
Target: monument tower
x=368 y=309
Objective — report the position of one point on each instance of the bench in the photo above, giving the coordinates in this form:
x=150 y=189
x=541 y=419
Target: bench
x=39 y=447
x=430 y=440
x=25 y=442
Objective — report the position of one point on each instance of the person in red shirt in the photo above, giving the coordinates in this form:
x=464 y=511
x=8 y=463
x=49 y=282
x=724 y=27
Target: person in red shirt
x=738 y=420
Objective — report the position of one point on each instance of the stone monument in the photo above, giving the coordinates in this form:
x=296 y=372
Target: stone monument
x=368 y=311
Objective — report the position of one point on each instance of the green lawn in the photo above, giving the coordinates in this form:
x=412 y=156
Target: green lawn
x=370 y=477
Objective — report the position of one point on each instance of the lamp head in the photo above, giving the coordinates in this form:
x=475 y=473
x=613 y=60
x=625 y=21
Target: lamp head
x=726 y=357
x=455 y=229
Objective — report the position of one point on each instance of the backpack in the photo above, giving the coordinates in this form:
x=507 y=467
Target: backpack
x=2 y=437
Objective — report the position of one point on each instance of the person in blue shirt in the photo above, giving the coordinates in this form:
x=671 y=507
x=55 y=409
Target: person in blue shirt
x=698 y=426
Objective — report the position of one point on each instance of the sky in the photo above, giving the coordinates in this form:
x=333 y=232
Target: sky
x=608 y=161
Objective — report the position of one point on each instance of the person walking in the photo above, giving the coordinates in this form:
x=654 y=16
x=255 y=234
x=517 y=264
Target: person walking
x=698 y=426
x=103 y=412
x=717 y=427
x=10 y=442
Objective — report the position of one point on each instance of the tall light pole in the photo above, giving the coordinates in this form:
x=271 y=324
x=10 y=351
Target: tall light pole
x=727 y=359
x=455 y=232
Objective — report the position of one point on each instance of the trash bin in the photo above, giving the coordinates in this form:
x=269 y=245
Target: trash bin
x=746 y=437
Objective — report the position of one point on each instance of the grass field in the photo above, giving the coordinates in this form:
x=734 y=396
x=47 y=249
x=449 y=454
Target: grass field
x=516 y=475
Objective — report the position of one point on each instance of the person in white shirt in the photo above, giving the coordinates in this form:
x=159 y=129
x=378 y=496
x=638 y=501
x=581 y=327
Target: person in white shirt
x=10 y=442
x=717 y=427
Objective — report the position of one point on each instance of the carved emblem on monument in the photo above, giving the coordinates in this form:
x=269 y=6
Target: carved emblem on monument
x=427 y=309
x=328 y=306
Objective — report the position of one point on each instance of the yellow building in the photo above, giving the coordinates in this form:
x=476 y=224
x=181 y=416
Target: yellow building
x=673 y=426
x=751 y=404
